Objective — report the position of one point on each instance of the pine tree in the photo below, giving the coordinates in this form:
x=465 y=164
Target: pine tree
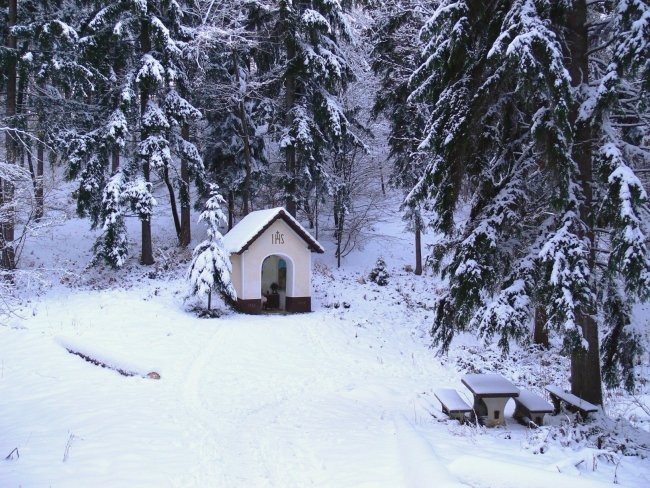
x=95 y=143
x=47 y=68
x=113 y=246
x=379 y=274
x=235 y=156
x=210 y=269
x=395 y=56
x=510 y=129
x=309 y=68
x=235 y=106
x=139 y=94
x=42 y=71
x=616 y=107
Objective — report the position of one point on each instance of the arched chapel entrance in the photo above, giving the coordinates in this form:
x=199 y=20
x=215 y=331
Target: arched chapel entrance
x=276 y=281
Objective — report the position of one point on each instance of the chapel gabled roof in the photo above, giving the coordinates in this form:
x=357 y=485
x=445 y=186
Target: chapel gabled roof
x=248 y=229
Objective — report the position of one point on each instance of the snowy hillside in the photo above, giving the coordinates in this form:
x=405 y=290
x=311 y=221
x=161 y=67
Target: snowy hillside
x=341 y=397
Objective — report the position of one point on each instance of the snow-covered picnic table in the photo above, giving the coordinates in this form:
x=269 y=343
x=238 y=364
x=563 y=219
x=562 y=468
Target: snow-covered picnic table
x=491 y=393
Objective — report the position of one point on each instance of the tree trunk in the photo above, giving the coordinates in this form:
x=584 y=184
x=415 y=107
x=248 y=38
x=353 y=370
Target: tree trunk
x=172 y=204
x=37 y=176
x=308 y=212
x=418 y=246
x=540 y=334
x=115 y=159
x=241 y=112
x=247 y=157
x=339 y=239
x=24 y=146
x=184 y=194
x=289 y=101
x=38 y=188
x=585 y=365
x=339 y=222
x=6 y=186
x=290 y=186
x=316 y=205
x=35 y=173
x=231 y=210
x=146 y=256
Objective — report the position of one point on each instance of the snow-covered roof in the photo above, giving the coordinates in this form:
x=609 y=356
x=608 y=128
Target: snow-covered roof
x=242 y=235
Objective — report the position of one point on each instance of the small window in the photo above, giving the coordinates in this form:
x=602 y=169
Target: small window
x=496 y=414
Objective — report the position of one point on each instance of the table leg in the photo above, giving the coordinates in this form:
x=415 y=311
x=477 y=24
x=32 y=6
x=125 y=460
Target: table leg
x=495 y=407
x=480 y=409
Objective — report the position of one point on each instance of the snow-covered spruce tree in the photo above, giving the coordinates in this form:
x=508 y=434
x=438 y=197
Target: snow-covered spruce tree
x=39 y=61
x=300 y=50
x=147 y=74
x=210 y=269
x=233 y=104
x=395 y=56
x=235 y=154
x=379 y=274
x=50 y=79
x=617 y=108
x=96 y=135
x=97 y=147
x=509 y=128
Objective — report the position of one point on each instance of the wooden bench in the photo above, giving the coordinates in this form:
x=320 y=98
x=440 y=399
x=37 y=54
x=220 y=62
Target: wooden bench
x=452 y=404
x=531 y=408
x=573 y=403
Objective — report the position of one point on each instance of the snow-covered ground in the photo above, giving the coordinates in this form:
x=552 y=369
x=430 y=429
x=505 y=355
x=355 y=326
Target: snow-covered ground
x=341 y=397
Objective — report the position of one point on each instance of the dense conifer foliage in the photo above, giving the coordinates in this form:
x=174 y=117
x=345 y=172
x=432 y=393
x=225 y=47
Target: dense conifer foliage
x=210 y=269
x=517 y=130
x=527 y=121
x=300 y=46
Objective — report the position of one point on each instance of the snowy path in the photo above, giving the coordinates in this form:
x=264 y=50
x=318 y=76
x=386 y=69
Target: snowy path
x=288 y=409
x=336 y=398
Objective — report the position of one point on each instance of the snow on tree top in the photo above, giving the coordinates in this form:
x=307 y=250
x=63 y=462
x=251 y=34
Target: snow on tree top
x=242 y=235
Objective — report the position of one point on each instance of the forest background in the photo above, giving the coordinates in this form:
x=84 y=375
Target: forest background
x=517 y=132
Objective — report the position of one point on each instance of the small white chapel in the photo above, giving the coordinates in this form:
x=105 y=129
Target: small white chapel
x=270 y=254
